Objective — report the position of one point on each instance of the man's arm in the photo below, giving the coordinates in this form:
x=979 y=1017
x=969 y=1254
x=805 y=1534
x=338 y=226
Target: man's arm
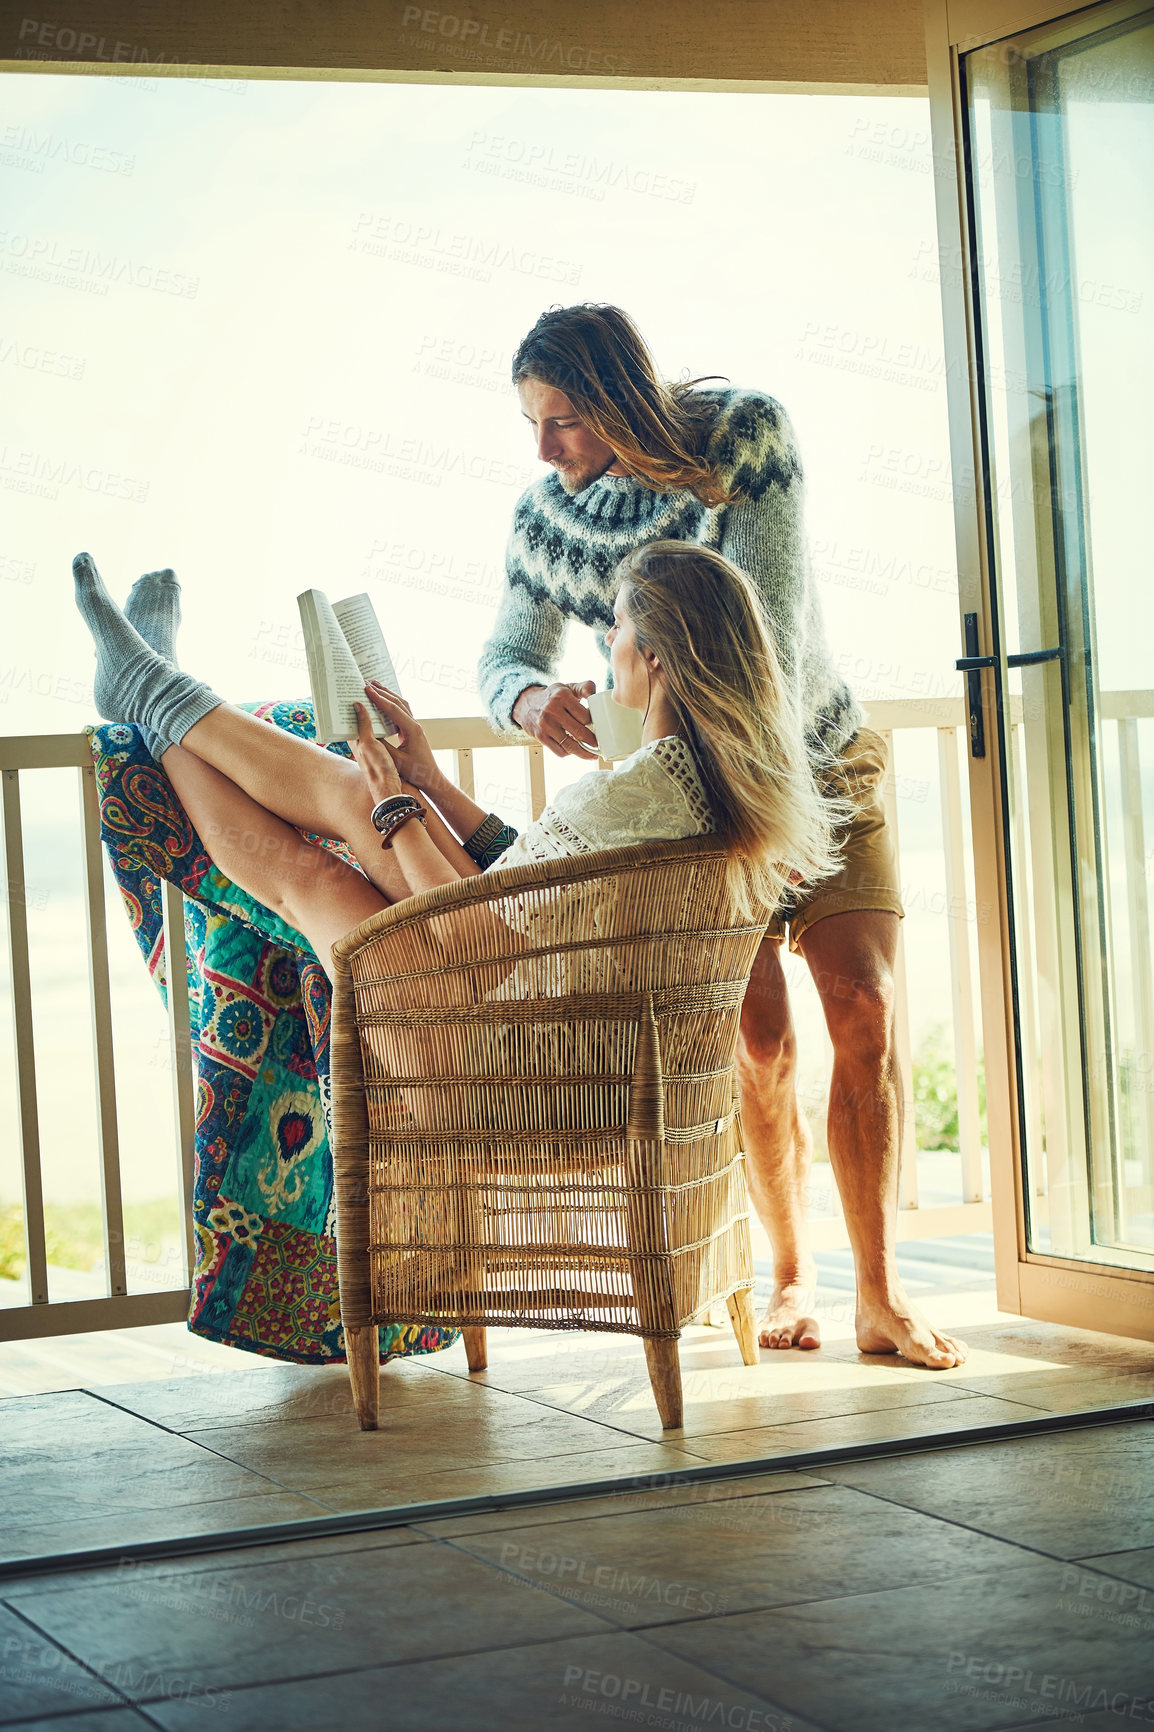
x=521 y=651
x=764 y=534
x=764 y=531
x=517 y=675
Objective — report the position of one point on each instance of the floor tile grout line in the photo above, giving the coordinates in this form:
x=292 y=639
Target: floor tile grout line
x=378 y=1664
x=203 y=1564
x=146 y=1718
x=406 y=1515
x=952 y=1521
x=536 y=1587
x=618 y=1628
x=746 y=1611
x=419 y=1528
x=824 y=1599
x=267 y=1478
x=51 y=1641
x=854 y=1413
x=732 y=1683
x=645 y=1633
x=217 y=1454
x=1018 y=1400
x=650 y=1509
x=548 y=1407
x=119 y=1407
x=204 y=1504
x=736 y=1431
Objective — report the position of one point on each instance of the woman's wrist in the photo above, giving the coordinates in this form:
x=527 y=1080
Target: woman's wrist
x=431 y=781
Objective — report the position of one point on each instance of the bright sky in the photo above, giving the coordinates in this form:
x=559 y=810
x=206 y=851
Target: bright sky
x=280 y=318
x=261 y=333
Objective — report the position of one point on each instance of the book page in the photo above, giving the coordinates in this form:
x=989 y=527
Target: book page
x=358 y=621
x=337 y=681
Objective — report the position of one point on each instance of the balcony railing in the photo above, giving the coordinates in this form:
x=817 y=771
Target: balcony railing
x=461 y=738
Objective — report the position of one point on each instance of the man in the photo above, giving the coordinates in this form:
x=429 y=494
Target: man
x=636 y=460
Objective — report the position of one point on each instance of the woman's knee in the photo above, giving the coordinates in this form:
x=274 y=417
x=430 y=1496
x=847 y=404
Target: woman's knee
x=317 y=884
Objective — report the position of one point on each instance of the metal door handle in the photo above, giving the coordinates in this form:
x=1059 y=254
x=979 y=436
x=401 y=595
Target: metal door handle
x=1027 y=659
x=969 y=664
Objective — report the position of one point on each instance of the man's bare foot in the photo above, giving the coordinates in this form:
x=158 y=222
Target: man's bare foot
x=897 y=1326
x=786 y=1321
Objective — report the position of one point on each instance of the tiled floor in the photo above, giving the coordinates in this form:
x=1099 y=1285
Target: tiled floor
x=970 y=1589
x=234 y=1441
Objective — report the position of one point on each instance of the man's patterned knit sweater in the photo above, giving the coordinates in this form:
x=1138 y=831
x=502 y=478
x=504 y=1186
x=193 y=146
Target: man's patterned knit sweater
x=564 y=548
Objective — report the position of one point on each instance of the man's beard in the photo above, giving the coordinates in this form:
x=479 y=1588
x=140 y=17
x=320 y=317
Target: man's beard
x=577 y=480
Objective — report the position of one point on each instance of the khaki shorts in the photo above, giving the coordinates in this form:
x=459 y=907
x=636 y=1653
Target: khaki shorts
x=868 y=878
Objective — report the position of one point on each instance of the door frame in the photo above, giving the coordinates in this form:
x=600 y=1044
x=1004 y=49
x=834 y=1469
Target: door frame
x=1051 y=1289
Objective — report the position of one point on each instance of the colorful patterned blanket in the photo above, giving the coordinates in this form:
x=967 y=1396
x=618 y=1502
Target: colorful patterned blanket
x=266 y=1274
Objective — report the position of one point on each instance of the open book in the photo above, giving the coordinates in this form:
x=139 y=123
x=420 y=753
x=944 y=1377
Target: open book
x=345 y=648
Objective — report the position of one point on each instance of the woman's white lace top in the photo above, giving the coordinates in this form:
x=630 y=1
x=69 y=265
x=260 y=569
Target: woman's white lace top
x=655 y=795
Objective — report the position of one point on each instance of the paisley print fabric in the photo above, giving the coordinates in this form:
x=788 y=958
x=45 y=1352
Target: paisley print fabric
x=266 y=1275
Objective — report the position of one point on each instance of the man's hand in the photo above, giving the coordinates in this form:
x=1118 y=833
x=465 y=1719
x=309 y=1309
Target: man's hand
x=556 y=716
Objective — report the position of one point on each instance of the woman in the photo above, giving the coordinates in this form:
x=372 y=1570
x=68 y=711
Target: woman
x=722 y=751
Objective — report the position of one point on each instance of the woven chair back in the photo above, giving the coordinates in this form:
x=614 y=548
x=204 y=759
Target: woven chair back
x=535 y=1107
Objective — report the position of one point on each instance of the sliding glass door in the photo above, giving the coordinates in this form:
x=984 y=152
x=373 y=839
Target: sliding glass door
x=1053 y=288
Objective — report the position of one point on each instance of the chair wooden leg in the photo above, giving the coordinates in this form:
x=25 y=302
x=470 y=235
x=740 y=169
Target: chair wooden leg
x=665 y=1377
x=362 y=1348
x=743 y=1316
x=476 y=1348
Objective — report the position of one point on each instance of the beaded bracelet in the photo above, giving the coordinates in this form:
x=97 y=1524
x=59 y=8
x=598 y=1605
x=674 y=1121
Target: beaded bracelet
x=394 y=821
x=489 y=840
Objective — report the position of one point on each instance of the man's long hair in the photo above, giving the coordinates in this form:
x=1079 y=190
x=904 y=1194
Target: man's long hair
x=703 y=619
x=596 y=355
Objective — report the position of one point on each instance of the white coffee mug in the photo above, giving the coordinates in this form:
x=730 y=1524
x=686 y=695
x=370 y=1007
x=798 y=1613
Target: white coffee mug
x=617 y=729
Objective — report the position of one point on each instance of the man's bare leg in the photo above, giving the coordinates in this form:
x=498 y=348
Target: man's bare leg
x=851 y=958
x=778 y=1149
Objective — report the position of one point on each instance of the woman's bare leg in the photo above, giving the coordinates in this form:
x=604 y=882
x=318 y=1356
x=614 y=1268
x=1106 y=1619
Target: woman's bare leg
x=306 y=785
x=309 y=887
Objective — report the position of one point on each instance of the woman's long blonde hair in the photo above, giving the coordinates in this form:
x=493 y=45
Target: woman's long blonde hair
x=596 y=355
x=703 y=619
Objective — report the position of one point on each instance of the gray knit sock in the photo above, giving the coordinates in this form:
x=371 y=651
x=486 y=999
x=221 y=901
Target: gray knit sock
x=133 y=683
x=153 y=607
x=156 y=746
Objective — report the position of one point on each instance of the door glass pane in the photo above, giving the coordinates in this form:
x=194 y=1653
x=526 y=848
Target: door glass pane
x=1061 y=154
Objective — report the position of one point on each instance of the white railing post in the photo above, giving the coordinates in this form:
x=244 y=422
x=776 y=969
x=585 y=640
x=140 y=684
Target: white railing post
x=464 y=755
x=1138 y=911
x=27 y=1108
x=100 y=1001
x=961 y=984
x=1031 y=1057
x=535 y=780
x=180 y=1052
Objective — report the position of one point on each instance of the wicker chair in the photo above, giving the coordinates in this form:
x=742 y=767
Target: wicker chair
x=535 y=1114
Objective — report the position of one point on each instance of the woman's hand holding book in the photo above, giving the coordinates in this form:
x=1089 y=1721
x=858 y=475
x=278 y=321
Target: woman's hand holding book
x=410 y=758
